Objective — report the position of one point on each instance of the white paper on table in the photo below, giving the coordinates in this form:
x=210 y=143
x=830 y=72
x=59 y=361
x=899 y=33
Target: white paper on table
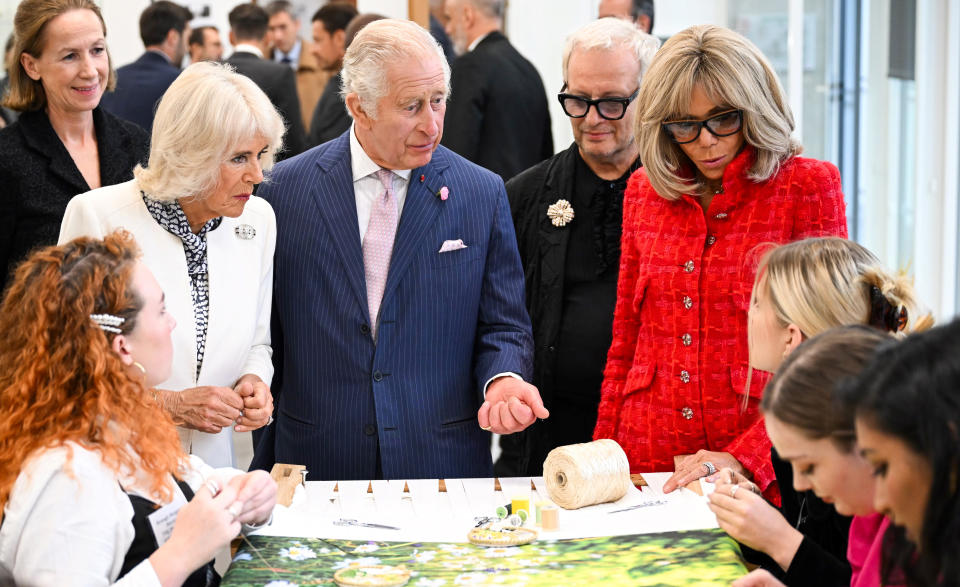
x=706 y=487
x=319 y=496
x=457 y=497
x=512 y=487
x=354 y=503
x=425 y=495
x=480 y=494
x=541 y=484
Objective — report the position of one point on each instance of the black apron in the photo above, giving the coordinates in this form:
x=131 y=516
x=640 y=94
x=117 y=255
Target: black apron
x=145 y=543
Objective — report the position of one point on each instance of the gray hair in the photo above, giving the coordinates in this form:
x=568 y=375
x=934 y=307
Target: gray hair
x=607 y=34
x=375 y=47
x=204 y=115
x=489 y=8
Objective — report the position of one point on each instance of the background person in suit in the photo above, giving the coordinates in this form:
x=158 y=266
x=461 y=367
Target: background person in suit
x=163 y=28
x=571 y=269
x=248 y=35
x=330 y=23
x=62 y=144
x=290 y=49
x=398 y=298
x=497 y=116
x=204 y=44
x=210 y=245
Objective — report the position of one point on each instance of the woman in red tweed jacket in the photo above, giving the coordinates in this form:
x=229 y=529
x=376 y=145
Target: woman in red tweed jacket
x=721 y=177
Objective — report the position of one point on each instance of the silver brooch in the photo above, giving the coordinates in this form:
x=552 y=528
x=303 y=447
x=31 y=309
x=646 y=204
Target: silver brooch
x=245 y=231
x=560 y=213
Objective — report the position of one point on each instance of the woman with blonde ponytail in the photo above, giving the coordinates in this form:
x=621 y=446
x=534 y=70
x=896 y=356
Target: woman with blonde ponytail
x=803 y=289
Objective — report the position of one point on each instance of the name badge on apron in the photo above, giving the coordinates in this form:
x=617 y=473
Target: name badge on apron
x=163 y=519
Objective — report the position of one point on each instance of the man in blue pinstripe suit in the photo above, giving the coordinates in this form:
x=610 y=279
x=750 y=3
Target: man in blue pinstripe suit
x=400 y=332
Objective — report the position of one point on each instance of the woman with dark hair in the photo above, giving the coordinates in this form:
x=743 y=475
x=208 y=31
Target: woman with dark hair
x=63 y=143
x=92 y=467
x=908 y=429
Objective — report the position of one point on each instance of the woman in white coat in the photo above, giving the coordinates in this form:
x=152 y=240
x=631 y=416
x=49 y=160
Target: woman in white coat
x=209 y=241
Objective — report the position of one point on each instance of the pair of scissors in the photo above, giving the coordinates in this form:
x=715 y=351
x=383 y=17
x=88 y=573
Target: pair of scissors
x=350 y=522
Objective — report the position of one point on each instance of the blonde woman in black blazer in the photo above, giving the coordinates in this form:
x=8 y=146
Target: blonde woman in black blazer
x=63 y=144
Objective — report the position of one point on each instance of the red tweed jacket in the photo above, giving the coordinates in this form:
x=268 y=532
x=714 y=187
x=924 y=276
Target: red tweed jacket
x=677 y=369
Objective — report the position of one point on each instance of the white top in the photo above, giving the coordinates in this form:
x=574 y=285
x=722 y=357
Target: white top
x=70 y=524
x=240 y=273
x=248 y=48
x=366 y=185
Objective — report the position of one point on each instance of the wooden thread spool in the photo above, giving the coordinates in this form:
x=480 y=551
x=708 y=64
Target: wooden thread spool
x=585 y=474
x=549 y=518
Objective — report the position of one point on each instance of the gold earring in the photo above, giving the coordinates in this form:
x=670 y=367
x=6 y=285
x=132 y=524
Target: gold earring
x=139 y=366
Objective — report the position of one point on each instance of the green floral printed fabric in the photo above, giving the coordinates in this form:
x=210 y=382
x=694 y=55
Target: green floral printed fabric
x=701 y=557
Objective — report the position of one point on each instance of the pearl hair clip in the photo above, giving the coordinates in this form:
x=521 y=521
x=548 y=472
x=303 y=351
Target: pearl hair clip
x=108 y=322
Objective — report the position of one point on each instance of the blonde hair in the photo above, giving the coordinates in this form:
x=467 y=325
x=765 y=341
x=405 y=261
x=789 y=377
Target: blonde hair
x=822 y=283
x=376 y=47
x=29 y=26
x=607 y=34
x=205 y=114
x=732 y=72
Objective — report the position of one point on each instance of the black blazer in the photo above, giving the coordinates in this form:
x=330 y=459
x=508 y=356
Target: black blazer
x=39 y=177
x=497 y=116
x=279 y=83
x=140 y=85
x=330 y=118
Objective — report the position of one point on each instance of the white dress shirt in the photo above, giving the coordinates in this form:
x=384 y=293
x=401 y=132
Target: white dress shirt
x=367 y=187
x=248 y=48
x=293 y=55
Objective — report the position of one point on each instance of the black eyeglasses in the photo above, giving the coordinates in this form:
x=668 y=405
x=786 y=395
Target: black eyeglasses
x=608 y=108
x=721 y=125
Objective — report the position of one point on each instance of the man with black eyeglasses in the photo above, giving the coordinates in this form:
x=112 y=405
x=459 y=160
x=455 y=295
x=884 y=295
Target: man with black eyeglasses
x=567 y=213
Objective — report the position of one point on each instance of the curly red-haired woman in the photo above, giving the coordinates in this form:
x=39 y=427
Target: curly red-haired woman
x=88 y=455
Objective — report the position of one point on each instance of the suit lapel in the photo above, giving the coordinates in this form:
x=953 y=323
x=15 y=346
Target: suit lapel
x=337 y=204
x=40 y=136
x=420 y=211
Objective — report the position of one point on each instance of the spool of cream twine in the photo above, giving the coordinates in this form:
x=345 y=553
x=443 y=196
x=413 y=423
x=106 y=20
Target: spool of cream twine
x=579 y=475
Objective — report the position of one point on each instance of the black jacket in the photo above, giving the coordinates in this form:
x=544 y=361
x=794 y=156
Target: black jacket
x=279 y=83
x=38 y=177
x=543 y=253
x=140 y=85
x=497 y=116
x=330 y=118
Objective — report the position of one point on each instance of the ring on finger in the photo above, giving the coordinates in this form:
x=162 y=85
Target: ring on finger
x=213 y=486
x=711 y=469
x=733 y=491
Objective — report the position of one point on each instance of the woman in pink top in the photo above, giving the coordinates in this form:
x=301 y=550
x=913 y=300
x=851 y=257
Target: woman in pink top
x=908 y=429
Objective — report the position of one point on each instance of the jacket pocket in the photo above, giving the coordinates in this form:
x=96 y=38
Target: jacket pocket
x=639 y=378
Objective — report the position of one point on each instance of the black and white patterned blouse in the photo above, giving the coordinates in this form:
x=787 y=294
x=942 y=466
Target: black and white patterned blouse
x=171 y=217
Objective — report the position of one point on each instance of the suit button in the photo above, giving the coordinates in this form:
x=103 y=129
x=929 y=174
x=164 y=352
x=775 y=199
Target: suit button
x=552 y=348
x=687 y=339
x=377 y=376
x=370 y=430
x=688 y=266
x=685 y=376
x=711 y=239
x=687 y=302
x=687 y=413
x=721 y=216
x=365 y=329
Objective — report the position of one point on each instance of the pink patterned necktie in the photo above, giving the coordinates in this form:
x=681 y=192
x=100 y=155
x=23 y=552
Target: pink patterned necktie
x=378 y=246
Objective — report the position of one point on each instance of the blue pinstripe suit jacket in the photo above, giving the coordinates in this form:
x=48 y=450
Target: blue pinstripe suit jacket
x=449 y=322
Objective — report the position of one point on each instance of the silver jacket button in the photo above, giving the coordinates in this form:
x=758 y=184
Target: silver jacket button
x=687 y=413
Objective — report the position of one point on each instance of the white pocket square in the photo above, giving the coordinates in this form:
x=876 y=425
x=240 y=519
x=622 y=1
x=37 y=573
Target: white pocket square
x=454 y=245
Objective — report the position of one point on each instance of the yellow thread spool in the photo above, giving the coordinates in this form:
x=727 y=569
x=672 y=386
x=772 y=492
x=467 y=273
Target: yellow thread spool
x=520 y=502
